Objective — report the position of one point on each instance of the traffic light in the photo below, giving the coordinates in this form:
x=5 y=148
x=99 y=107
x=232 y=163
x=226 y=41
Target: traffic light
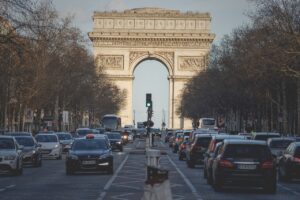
x=148 y=100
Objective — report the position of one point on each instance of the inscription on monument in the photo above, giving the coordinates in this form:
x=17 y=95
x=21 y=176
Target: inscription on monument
x=110 y=62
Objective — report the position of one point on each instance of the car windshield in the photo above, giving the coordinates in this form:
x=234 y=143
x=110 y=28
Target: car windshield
x=25 y=141
x=46 y=138
x=114 y=136
x=89 y=144
x=64 y=136
x=265 y=137
x=203 y=141
x=84 y=132
x=247 y=151
x=280 y=144
x=7 y=143
x=110 y=122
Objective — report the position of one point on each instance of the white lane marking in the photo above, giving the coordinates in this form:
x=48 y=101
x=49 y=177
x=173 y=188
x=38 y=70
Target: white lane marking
x=186 y=180
x=288 y=189
x=7 y=187
x=111 y=180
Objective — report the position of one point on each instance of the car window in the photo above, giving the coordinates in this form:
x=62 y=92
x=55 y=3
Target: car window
x=297 y=152
x=25 y=141
x=46 y=138
x=247 y=151
x=203 y=141
x=282 y=144
x=7 y=143
x=95 y=144
x=64 y=136
x=114 y=136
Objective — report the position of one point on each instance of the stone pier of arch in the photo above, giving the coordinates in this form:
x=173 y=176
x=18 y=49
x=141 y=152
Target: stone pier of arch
x=180 y=41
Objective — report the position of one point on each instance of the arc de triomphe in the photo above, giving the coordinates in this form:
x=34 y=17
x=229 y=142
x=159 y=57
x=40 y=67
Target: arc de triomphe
x=180 y=41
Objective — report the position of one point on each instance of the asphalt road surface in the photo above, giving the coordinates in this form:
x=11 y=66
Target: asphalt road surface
x=51 y=182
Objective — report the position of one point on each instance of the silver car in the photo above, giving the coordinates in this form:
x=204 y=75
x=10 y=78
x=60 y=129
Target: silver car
x=11 y=156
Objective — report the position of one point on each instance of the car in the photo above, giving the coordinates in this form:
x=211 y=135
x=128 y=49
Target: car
x=198 y=131
x=247 y=135
x=50 y=145
x=89 y=154
x=11 y=156
x=31 y=150
x=244 y=162
x=209 y=155
x=168 y=135
x=65 y=139
x=213 y=155
x=279 y=145
x=125 y=136
x=264 y=135
x=115 y=140
x=82 y=132
x=289 y=163
x=196 y=149
x=177 y=141
x=18 y=133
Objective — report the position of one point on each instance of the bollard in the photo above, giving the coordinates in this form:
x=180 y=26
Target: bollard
x=153 y=157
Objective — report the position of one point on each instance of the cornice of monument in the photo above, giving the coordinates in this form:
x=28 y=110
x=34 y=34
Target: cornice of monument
x=152 y=12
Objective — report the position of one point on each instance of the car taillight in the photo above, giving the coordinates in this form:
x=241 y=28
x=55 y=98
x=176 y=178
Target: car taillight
x=296 y=159
x=226 y=163
x=267 y=165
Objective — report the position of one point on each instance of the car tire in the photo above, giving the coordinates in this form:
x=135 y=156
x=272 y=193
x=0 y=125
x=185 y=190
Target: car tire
x=110 y=169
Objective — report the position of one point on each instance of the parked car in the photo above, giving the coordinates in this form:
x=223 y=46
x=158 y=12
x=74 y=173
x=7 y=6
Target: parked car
x=248 y=162
x=264 y=136
x=89 y=154
x=115 y=140
x=209 y=155
x=195 y=150
x=31 y=150
x=11 y=156
x=50 y=146
x=65 y=140
x=279 y=145
x=289 y=163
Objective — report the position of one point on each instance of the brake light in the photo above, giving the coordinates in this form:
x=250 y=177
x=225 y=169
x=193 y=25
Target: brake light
x=267 y=165
x=296 y=159
x=89 y=136
x=226 y=163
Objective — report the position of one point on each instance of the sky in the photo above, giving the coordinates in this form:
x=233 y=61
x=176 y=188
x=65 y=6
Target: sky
x=151 y=76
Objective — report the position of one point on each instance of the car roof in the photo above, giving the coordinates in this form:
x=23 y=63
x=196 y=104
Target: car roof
x=281 y=139
x=63 y=133
x=228 y=136
x=203 y=135
x=265 y=133
x=6 y=136
x=251 y=142
x=46 y=134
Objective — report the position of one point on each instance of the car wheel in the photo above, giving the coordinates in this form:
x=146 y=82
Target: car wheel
x=110 y=169
x=271 y=188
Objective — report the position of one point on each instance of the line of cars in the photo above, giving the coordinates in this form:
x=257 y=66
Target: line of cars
x=245 y=159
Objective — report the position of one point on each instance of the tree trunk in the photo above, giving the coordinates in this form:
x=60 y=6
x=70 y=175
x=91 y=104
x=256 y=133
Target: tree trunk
x=284 y=108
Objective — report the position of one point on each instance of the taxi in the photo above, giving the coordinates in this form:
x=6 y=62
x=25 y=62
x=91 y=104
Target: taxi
x=89 y=153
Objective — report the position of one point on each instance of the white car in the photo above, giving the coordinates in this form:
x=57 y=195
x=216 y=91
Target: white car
x=11 y=156
x=50 y=145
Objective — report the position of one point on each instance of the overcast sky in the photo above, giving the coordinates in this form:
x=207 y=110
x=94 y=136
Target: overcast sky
x=226 y=15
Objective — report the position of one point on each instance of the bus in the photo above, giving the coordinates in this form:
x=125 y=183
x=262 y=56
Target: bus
x=209 y=123
x=111 y=122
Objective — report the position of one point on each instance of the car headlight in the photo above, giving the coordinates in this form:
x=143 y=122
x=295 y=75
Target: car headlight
x=73 y=157
x=103 y=156
x=56 y=146
x=11 y=157
x=118 y=142
x=33 y=152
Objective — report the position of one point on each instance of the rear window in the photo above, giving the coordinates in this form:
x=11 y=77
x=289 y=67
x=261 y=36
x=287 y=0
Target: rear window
x=209 y=122
x=247 y=151
x=265 y=137
x=280 y=144
x=203 y=141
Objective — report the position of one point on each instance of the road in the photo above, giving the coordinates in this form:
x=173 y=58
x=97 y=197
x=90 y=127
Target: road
x=51 y=182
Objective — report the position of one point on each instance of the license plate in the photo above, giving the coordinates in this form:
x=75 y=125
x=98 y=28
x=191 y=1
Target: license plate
x=88 y=162
x=249 y=167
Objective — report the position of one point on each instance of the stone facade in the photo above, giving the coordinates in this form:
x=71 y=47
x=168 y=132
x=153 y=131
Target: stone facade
x=181 y=41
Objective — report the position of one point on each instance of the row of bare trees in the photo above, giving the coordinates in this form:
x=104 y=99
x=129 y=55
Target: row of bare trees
x=253 y=78
x=45 y=68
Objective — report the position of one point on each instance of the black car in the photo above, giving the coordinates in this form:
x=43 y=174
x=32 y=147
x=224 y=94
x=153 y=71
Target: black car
x=115 y=140
x=31 y=150
x=89 y=154
x=195 y=151
x=210 y=154
x=289 y=163
x=246 y=162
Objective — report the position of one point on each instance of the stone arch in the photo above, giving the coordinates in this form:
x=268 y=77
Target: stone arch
x=168 y=63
